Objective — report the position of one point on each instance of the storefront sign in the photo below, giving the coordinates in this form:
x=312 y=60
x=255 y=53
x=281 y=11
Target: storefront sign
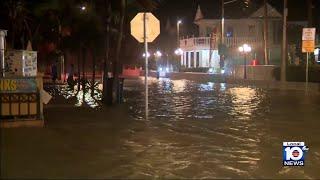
x=18 y=85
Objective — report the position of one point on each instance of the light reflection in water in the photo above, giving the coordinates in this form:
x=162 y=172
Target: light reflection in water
x=245 y=100
x=83 y=96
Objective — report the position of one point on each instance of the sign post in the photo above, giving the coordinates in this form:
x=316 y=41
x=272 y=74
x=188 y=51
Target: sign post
x=308 y=45
x=146 y=63
x=145 y=27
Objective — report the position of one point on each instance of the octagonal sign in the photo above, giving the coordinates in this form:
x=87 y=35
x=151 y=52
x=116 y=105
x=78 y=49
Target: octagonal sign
x=152 y=27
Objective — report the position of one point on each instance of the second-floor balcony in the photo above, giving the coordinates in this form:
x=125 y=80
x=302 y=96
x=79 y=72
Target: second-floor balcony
x=202 y=43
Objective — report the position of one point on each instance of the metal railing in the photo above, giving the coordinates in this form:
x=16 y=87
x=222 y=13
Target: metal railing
x=20 y=105
x=231 y=42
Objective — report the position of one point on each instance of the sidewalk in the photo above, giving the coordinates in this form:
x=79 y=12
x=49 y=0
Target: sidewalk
x=77 y=142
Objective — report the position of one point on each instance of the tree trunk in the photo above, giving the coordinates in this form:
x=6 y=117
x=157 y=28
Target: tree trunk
x=265 y=33
x=83 y=79
x=116 y=64
x=105 y=93
x=93 y=71
x=79 y=71
x=310 y=18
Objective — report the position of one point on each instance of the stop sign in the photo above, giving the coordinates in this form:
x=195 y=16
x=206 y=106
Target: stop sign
x=152 y=27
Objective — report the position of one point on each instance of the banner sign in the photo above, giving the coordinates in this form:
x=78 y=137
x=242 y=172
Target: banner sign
x=18 y=85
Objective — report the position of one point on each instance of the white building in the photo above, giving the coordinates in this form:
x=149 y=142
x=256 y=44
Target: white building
x=202 y=51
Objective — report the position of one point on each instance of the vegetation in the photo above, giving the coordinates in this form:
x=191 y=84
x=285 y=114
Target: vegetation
x=92 y=28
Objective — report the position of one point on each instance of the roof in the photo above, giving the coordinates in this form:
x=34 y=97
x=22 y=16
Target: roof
x=234 y=10
x=272 y=12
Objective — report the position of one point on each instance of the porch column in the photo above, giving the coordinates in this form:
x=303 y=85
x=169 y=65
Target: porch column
x=194 y=59
x=189 y=60
x=182 y=59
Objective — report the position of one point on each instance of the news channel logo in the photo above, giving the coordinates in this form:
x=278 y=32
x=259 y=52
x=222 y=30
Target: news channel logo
x=293 y=153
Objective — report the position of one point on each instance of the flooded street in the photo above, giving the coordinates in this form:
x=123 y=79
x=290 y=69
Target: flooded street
x=205 y=130
x=195 y=129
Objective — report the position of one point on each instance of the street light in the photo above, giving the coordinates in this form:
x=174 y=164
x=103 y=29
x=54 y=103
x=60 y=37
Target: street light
x=158 y=54
x=178 y=32
x=144 y=54
x=83 y=8
x=178 y=51
x=245 y=49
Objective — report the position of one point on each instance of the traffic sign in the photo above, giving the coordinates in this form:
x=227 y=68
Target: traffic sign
x=152 y=27
x=309 y=34
x=308 y=46
x=308 y=43
x=308 y=39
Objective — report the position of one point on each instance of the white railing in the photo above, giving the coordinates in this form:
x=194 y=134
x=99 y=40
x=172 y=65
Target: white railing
x=231 y=42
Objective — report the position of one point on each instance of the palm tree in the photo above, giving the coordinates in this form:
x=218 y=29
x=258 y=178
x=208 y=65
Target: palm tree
x=18 y=16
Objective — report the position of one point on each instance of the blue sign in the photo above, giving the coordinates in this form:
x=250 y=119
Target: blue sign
x=294 y=153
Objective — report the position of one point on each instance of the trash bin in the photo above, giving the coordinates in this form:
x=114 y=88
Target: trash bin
x=108 y=90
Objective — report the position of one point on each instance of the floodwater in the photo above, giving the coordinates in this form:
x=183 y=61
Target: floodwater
x=195 y=129
x=216 y=130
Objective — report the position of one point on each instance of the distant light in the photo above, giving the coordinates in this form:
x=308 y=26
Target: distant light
x=222 y=71
x=144 y=54
x=160 y=69
x=158 y=54
x=210 y=70
x=245 y=48
x=83 y=8
x=179 y=22
x=167 y=69
x=178 y=51
x=316 y=51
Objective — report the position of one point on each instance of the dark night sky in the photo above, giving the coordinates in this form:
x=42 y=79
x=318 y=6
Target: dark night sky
x=185 y=10
x=173 y=10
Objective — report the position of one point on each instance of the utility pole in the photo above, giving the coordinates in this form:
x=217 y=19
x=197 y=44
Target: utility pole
x=310 y=9
x=265 y=33
x=222 y=21
x=284 y=42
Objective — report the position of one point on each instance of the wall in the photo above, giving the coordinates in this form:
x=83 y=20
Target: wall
x=255 y=72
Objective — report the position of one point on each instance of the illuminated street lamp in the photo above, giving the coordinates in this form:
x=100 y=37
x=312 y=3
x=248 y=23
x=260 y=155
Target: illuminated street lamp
x=245 y=49
x=83 y=8
x=144 y=54
x=178 y=51
x=178 y=32
x=158 y=54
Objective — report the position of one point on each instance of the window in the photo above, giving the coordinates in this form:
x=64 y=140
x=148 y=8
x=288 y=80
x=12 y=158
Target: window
x=197 y=59
x=187 y=59
x=252 y=29
x=209 y=30
x=192 y=59
x=229 y=32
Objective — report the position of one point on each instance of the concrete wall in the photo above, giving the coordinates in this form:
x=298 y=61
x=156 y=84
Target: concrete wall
x=261 y=72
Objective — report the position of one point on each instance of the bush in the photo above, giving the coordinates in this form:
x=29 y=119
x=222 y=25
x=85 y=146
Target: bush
x=200 y=69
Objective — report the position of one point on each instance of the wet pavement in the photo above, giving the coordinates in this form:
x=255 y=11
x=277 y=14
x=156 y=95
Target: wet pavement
x=195 y=129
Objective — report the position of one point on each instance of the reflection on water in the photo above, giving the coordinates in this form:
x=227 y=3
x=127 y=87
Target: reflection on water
x=245 y=101
x=84 y=96
x=211 y=130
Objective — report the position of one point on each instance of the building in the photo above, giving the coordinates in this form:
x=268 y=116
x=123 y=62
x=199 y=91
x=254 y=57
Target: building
x=202 y=51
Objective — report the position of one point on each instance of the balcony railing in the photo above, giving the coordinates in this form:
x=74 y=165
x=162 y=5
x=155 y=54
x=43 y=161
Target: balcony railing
x=231 y=42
